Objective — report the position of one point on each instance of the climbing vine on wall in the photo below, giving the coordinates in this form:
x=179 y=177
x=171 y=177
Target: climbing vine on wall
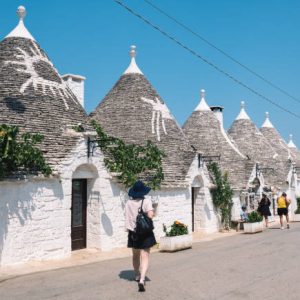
x=131 y=162
x=221 y=194
x=18 y=153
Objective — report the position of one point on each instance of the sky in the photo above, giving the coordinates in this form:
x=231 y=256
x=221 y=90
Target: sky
x=92 y=38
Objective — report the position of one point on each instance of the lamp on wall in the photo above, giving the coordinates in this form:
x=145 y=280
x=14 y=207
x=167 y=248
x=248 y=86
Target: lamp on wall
x=91 y=145
x=207 y=158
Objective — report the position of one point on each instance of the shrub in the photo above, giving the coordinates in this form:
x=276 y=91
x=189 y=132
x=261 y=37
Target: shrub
x=254 y=216
x=131 y=162
x=177 y=228
x=221 y=194
x=19 y=152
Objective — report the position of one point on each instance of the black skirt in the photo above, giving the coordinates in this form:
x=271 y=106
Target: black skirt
x=140 y=241
x=264 y=210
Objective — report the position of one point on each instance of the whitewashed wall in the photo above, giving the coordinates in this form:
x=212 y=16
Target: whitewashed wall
x=206 y=218
x=35 y=215
x=236 y=207
x=34 y=221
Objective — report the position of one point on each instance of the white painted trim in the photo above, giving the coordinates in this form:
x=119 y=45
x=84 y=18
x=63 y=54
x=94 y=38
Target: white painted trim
x=20 y=31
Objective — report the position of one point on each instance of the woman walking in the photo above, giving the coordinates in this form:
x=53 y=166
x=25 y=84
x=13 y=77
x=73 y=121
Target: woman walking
x=283 y=209
x=140 y=244
x=264 y=208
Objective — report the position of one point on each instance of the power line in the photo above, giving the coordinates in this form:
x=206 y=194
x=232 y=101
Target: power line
x=223 y=52
x=207 y=61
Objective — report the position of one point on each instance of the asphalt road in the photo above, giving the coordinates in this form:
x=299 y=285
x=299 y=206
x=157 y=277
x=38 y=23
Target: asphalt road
x=259 y=266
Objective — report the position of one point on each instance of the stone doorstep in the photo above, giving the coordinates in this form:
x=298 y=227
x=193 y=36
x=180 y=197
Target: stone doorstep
x=87 y=256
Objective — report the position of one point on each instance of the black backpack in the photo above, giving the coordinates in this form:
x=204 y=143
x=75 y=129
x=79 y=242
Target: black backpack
x=144 y=224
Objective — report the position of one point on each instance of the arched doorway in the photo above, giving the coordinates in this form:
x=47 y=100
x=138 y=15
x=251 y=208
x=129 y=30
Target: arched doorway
x=197 y=202
x=82 y=176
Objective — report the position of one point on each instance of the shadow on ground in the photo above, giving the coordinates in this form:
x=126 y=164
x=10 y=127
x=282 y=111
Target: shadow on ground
x=129 y=275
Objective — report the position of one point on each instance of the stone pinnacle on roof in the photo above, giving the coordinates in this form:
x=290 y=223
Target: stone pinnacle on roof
x=242 y=115
x=267 y=122
x=202 y=106
x=20 y=30
x=291 y=143
x=133 y=68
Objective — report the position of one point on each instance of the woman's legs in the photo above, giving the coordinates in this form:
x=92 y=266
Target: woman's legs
x=144 y=263
x=287 y=220
x=281 y=221
x=136 y=262
x=267 y=221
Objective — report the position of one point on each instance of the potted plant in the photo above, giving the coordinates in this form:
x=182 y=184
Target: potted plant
x=297 y=211
x=177 y=238
x=254 y=223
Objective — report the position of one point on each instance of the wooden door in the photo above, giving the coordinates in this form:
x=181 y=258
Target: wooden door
x=78 y=215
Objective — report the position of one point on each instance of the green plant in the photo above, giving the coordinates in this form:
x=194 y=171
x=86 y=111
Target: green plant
x=131 y=162
x=254 y=217
x=19 y=153
x=297 y=211
x=221 y=194
x=177 y=228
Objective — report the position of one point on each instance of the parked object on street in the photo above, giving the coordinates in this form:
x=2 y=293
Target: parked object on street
x=177 y=238
x=254 y=223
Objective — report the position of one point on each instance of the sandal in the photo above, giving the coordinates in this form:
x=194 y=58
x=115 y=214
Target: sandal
x=142 y=286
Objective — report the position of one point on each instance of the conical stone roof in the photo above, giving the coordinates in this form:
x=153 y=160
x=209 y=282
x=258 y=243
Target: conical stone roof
x=206 y=133
x=34 y=97
x=254 y=145
x=279 y=145
x=134 y=112
x=295 y=153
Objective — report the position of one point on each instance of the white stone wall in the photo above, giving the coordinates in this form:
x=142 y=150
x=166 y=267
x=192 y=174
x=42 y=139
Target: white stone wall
x=105 y=209
x=206 y=218
x=34 y=221
x=236 y=206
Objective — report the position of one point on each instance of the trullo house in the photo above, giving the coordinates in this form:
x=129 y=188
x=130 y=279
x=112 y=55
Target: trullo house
x=76 y=207
x=205 y=131
x=81 y=205
x=295 y=153
x=271 y=171
x=134 y=112
x=287 y=175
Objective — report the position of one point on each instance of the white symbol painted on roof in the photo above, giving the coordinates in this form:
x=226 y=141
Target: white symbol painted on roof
x=29 y=65
x=160 y=111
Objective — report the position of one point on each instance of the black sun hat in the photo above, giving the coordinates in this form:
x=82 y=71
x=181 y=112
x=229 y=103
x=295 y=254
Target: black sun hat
x=138 y=190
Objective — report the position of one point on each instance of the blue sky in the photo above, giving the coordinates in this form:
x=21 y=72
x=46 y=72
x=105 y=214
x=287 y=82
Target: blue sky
x=92 y=38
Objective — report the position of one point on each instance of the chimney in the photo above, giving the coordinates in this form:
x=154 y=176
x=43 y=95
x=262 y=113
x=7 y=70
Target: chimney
x=218 y=111
x=76 y=84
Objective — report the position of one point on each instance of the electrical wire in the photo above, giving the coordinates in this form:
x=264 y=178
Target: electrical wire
x=223 y=52
x=206 y=60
